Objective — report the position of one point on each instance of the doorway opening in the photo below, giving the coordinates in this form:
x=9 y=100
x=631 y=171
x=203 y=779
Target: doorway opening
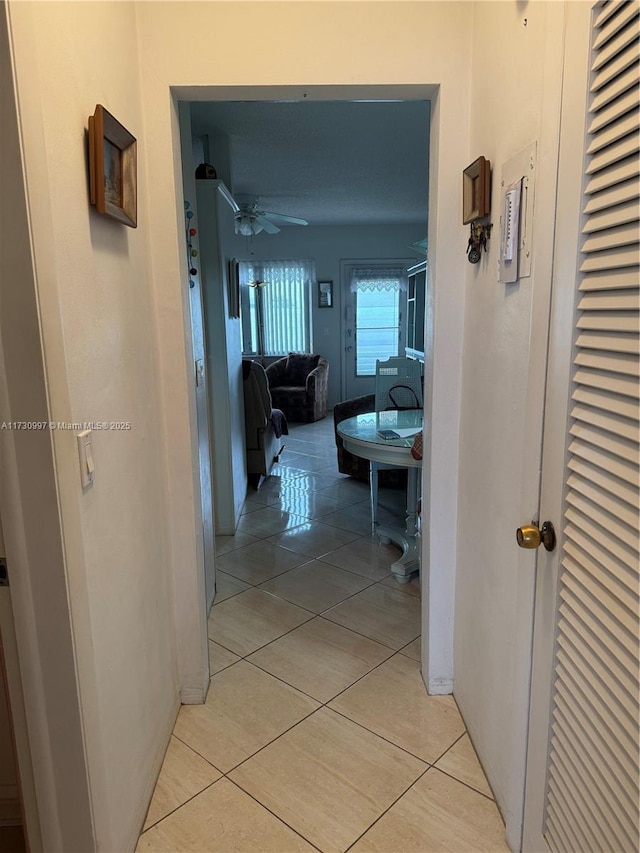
x=281 y=157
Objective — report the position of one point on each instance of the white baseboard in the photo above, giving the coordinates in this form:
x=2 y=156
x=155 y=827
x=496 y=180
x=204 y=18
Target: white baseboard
x=194 y=695
x=439 y=686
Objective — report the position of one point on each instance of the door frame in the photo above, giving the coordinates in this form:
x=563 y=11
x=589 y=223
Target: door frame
x=569 y=220
x=443 y=352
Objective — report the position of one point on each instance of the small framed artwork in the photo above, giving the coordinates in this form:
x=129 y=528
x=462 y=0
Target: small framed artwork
x=476 y=190
x=325 y=294
x=233 y=280
x=113 y=184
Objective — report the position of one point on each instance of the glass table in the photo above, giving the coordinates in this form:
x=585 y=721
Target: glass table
x=361 y=436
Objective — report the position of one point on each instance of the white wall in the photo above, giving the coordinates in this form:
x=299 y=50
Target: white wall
x=97 y=314
x=328 y=246
x=374 y=51
x=224 y=357
x=515 y=100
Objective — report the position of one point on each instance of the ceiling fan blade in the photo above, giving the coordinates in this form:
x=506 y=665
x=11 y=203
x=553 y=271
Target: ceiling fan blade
x=267 y=226
x=281 y=217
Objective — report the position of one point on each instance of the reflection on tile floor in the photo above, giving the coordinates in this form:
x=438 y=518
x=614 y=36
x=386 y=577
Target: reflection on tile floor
x=317 y=733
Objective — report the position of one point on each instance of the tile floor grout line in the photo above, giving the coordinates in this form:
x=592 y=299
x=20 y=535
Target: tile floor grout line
x=276 y=738
x=193 y=749
x=341 y=713
x=380 y=816
x=377 y=734
x=466 y=784
x=177 y=808
x=277 y=816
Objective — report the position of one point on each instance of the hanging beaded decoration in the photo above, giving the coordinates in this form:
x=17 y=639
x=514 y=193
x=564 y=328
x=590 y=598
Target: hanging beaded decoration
x=190 y=233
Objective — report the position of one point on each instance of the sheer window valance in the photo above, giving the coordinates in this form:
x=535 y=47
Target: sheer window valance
x=378 y=279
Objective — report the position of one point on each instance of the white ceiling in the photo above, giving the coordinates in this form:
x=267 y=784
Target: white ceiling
x=331 y=163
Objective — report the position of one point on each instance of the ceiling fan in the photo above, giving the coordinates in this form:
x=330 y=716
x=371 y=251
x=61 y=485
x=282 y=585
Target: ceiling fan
x=251 y=220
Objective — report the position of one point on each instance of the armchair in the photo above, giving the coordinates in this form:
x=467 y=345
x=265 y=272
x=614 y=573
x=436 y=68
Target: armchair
x=299 y=385
x=264 y=425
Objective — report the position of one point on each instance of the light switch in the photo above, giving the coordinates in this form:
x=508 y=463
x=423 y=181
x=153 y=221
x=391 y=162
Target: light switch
x=87 y=467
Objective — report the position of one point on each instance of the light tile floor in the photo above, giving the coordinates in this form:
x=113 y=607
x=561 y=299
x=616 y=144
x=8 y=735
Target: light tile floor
x=317 y=733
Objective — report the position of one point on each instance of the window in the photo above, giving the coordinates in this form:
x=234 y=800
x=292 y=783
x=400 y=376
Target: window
x=275 y=308
x=378 y=296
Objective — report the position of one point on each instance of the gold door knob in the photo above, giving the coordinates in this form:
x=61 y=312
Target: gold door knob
x=531 y=536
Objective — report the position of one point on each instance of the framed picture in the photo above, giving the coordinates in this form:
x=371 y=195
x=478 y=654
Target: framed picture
x=113 y=185
x=476 y=190
x=233 y=280
x=325 y=294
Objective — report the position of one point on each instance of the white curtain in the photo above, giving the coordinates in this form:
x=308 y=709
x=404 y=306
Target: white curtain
x=283 y=288
x=380 y=278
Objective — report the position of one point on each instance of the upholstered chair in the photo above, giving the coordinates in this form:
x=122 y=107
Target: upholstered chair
x=299 y=385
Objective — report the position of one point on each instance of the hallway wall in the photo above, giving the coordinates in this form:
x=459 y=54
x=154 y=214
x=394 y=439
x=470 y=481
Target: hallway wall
x=515 y=97
x=94 y=292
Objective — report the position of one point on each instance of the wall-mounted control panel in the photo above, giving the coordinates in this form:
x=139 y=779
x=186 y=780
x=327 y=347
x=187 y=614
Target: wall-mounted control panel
x=516 y=221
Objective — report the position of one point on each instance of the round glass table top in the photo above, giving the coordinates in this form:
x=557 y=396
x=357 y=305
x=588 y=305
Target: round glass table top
x=383 y=436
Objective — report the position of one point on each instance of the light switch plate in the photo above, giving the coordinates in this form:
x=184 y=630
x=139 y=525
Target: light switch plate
x=85 y=455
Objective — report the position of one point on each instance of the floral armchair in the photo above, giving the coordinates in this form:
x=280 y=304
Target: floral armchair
x=299 y=385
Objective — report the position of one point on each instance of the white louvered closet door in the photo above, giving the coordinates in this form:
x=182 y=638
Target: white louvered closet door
x=590 y=797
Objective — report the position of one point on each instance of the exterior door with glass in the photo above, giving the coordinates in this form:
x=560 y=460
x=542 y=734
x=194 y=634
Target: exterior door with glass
x=374 y=325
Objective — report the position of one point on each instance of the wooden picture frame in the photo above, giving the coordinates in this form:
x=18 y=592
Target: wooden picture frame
x=113 y=184
x=325 y=294
x=476 y=190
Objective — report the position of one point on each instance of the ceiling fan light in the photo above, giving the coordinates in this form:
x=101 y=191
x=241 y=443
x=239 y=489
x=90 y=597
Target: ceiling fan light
x=243 y=226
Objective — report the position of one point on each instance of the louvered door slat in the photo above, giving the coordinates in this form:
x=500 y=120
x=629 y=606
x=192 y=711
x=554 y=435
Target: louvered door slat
x=599 y=477
x=614 y=175
x=618 y=21
x=585 y=732
x=615 y=258
x=622 y=61
x=573 y=803
x=610 y=361
x=613 y=301
x=605 y=10
x=609 y=442
x=625 y=37
x=592 y=789
x=607 y=381
x=616 y=622
x=614 y=111
x=626 y=235
x=616 y=667
x=621 y=428
x=601 y=810
x=610 y=280
x=618 y=194
x=609 y=321
x=598 y=817
x=598 y=515
x=607 y=342
x=604 y=680
x=611 y=216
x=577 y=612
x=603 y=560
x=617 y=144
x=618 y=86
x=580 y=486
x=575 y=685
